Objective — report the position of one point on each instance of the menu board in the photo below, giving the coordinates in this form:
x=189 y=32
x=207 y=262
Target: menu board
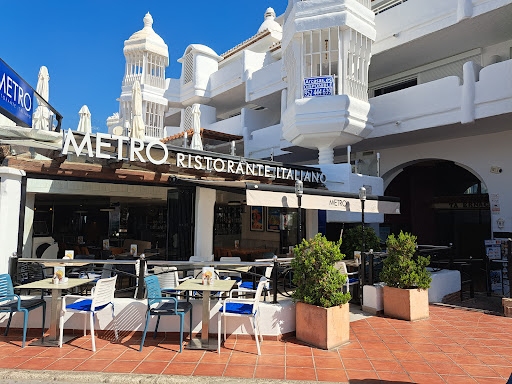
x=493 y=249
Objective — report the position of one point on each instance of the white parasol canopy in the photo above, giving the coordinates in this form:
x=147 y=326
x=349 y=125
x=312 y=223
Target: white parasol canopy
x=84 y=125
x=138 y=128
x=196 y=124
x=41 y=117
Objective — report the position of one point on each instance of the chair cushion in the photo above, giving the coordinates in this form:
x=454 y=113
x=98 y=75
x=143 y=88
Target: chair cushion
x=83 y=305
x=351 y=280
x=239 y=308
x=167 y=308
x=249 y=285
x=27 y=304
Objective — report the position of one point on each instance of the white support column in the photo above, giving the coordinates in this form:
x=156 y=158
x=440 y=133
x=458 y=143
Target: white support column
x=311 y=223
x=204 y=217
x=10 y=198
x=28 y=229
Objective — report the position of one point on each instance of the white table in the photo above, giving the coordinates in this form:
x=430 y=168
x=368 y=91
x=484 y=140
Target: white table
x=53 y=339
x=197 y=285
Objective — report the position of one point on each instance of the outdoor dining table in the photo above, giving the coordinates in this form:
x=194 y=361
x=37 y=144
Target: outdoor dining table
x=215 y=286
x=53 y=339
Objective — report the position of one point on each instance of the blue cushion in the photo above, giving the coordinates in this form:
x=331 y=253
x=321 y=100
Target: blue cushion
x=243 y=309
x=84 y=305
x=352 y=281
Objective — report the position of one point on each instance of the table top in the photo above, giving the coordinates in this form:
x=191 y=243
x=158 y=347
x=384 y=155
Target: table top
x=197 y=285
x=148 y=254
x=48 y=284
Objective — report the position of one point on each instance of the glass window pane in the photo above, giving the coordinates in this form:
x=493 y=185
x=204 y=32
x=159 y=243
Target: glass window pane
x=334 y=63
x=316 y=41
x=307 y=42
x=307 y=67
x=334 y=39
x=316 y=64
x=325 y=40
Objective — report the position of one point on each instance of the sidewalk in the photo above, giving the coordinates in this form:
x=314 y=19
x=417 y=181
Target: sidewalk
x=452 y=346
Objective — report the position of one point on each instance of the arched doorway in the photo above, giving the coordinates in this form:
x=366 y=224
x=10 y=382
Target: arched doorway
x=442 y=203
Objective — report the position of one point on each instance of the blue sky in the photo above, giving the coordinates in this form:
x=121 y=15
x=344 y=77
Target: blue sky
x=81 y=42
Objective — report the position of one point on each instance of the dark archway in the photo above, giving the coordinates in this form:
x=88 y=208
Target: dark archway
x=442 y=203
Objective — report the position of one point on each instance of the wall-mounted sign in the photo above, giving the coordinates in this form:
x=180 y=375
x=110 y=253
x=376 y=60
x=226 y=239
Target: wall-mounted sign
x=16 y=96
x=318 y=86
x=138 y=150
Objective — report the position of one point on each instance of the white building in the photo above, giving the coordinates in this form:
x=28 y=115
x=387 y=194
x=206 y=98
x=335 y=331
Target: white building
x=419 y=86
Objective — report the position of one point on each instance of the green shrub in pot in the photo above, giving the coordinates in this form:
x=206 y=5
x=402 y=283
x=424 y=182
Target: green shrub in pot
x=352 y=240
x=402 y=269
x=318 y=281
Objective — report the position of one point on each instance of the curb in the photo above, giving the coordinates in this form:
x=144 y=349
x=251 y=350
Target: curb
x=31 y=376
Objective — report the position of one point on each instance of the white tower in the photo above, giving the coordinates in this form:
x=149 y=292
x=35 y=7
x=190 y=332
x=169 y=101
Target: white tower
x=327 y=38
x=147 y=56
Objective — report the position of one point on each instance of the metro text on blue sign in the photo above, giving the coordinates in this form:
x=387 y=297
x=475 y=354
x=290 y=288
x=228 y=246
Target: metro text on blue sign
x=16 y=96
x=319 y=86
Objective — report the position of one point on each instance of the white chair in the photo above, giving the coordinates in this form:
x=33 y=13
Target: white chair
x=237 y=307
x=102 y=296
x=236 y=275
x=137 y=272
x=342 y=267
x=168 y=279
x=245 y=286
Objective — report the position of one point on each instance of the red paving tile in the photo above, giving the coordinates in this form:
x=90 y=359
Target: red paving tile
x=263 y=372
x=239 y=371
x=300 y=374
x=453 y=346
x=207 y=369
x=332 y=375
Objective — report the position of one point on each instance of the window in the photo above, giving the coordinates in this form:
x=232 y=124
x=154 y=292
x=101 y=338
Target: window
x=188 y=72
x=321 y=54
x=395 y=87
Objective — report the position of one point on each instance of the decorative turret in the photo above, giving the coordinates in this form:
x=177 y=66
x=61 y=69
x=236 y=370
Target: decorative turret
x=326 y=49
x=147 y=56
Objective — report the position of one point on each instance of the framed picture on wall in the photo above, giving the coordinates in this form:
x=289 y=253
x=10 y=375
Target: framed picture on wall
x=257 y=219
x=273 y=219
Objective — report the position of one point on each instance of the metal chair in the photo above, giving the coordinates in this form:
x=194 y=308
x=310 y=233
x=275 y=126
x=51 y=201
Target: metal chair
x=234 y=275
x=102 y=296
x=237 y=307
x=164 y=306
x=9 y=302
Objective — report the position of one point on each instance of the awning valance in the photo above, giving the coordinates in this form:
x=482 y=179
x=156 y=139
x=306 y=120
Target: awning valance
x=284 y=196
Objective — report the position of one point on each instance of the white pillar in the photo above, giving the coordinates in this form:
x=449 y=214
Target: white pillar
x=28 y=229
x=311 y=223
x=204 y=216
x=10 y=198
x=326 y=155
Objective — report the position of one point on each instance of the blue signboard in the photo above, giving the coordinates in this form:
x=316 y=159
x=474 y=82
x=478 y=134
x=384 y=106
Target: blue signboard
x=319 y=86
x=16 y=96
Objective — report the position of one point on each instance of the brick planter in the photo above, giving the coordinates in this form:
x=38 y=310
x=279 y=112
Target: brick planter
x=406 y=304
x=324 y=328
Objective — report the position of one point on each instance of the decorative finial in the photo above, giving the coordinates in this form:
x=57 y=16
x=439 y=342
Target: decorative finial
x=148 y=20
x=270 y=13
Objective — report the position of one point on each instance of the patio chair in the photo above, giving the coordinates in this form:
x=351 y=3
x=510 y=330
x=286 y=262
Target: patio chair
x=168 y=279
x=237 y=307
x=164 y=306
x=350 y=280
x=251 y=286
x=102 y=296
x=234 y=275
x=9 y=302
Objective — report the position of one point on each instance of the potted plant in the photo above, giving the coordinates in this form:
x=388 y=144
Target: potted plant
x=407 y=279
x=322 y=314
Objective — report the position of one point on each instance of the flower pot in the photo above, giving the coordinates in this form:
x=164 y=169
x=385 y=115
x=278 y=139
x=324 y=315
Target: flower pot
x=406 y=304
x=324 y=328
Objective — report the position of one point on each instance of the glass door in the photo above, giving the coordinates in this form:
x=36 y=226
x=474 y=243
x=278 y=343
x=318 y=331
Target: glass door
x=180 y=223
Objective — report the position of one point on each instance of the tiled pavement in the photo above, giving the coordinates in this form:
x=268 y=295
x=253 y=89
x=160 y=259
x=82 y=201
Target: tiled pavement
x=453 y=346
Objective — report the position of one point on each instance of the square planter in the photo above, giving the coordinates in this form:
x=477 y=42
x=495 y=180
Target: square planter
x=406 y=304
x=324 y=328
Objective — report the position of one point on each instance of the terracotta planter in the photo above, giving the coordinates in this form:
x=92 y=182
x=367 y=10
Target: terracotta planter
x=324 y=328
x=406 y=304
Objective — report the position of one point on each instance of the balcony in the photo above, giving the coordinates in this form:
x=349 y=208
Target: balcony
x=444 y=102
